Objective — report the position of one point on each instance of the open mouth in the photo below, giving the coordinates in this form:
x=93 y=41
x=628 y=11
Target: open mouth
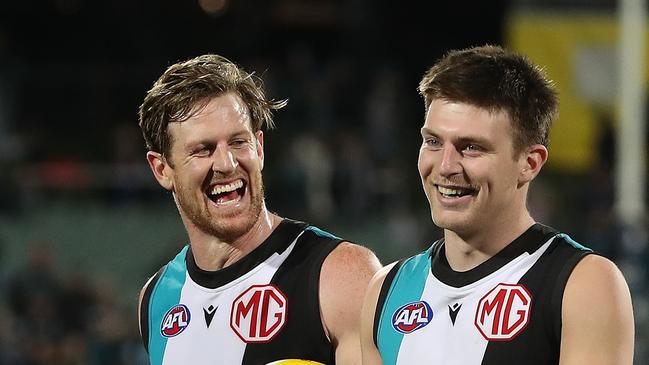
x=454 y=192
x=224 y=194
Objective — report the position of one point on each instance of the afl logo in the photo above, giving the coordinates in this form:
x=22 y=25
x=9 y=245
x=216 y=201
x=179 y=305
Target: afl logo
x=175 y=321
x=412 y=316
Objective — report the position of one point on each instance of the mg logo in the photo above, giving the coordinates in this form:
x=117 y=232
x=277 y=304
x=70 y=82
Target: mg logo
x=412 y=316
x=259 y=313
x=503 y=312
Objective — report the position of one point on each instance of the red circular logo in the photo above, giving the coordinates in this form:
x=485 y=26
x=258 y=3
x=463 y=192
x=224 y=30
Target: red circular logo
x=175 y=321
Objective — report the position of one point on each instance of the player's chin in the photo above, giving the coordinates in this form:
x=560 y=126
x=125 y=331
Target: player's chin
x=451 y=220
x=242 y=218
x=231 y=228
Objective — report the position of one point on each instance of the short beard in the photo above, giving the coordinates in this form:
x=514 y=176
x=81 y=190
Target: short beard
x=204 y=221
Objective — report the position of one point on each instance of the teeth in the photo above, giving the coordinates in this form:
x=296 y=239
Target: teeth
x=447 y=191
x=227 y=188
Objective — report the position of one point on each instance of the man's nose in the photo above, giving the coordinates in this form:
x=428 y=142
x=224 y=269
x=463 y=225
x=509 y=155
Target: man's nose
x=450 y=163
x=224 y=161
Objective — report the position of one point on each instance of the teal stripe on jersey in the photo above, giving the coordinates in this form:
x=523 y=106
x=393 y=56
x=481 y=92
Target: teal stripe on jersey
x=321 y=233
x=406 y=287
x=165 y=295
x=572 y=242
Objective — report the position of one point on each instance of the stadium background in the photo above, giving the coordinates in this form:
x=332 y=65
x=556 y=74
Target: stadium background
x=83 y=223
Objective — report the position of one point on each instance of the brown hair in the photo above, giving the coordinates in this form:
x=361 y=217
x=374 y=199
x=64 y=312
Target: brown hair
x=185 y=87
x=498 y=80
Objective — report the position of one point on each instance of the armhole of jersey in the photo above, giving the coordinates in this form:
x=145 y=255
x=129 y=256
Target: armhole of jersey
x=329 y=244
x=383 y=295
x=562 y=280
x=321 y=244
x=144 y=308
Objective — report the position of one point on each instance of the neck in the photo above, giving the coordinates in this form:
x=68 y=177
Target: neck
x=464 y=251
x=213 y=253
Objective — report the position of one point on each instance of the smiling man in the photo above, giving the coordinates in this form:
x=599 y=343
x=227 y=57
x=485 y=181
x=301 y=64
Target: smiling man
x=251 y=287
x=499 y=287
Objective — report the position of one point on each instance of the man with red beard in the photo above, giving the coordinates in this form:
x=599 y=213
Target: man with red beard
x=251 y=287
x=499 y=287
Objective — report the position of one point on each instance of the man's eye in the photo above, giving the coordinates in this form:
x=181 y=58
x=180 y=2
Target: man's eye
x=431 y=142
x=239 y=143
x=202 y=151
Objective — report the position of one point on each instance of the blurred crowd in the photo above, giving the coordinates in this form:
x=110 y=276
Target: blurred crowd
x=49 y=317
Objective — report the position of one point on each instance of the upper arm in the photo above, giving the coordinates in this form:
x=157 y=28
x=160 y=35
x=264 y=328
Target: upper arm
x=139 y=306
x=597 y=315
x=344 y=278
x=371 y=355
x=140 y=316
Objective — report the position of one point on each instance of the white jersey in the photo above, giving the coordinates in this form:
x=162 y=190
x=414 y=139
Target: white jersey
x=262 y=308
x=505 y=311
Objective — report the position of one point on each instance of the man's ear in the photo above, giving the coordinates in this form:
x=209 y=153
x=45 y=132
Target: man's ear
x=531 y=162
x=260 y=147
x=161 y=169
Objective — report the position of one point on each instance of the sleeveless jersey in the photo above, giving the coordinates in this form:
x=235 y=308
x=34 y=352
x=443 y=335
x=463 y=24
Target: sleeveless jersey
x=506 y=310
x=263 y=308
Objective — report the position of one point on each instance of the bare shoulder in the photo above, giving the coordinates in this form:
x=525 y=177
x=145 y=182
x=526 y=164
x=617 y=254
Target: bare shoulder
x=380 y=275
x=374 y=288
x=350 y=257
x=144 y=288
x=596 y=278
x=345 y=275
x=370 y=352
x=347 y=271
x=597 y=315
x=139 y=301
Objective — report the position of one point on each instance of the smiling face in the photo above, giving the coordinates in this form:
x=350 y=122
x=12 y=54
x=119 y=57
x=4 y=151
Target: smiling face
x=214 y=169
x=470 y=173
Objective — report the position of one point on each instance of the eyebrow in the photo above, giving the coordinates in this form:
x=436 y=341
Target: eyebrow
x=464 y=140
